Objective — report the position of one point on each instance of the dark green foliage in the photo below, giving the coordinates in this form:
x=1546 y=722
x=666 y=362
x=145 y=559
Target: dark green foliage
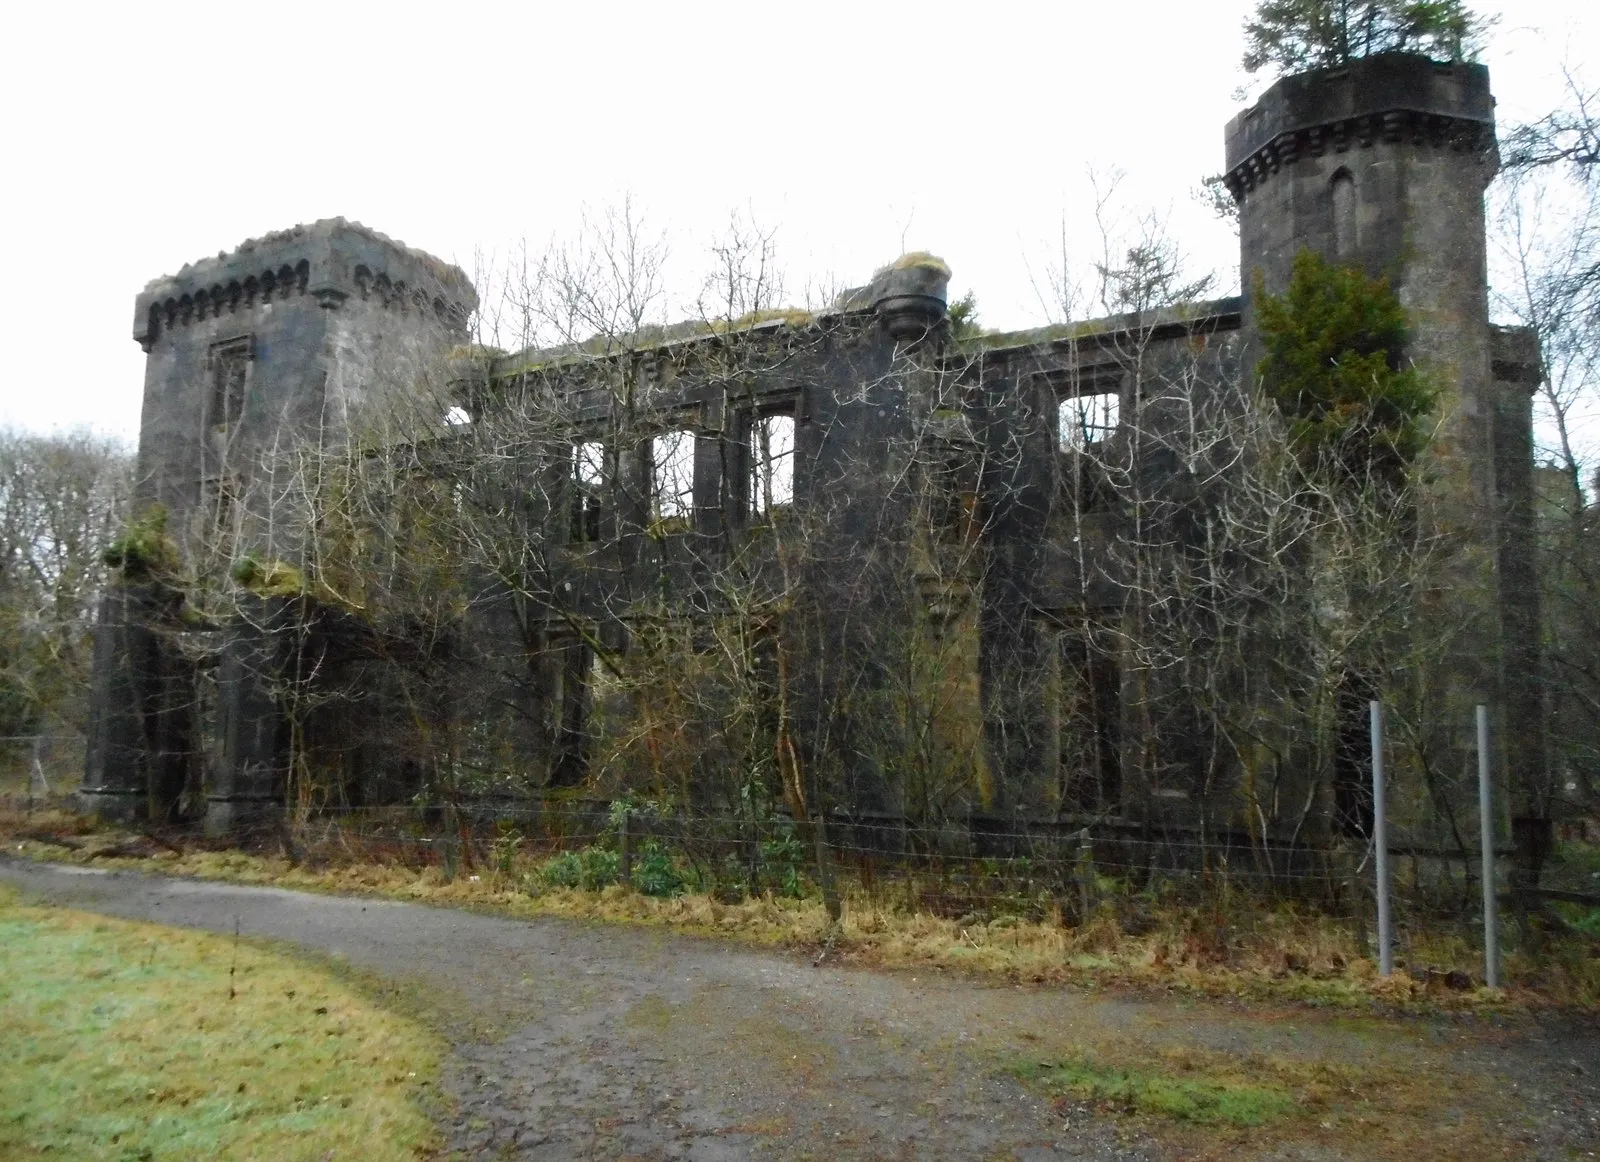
x=1333 y=367
x=963 y=316
x=654 y=871
x=783 y=863
x=562 y=871
x=144 y=551
x=590 y=869
x=655 y=874
x=1290 y=36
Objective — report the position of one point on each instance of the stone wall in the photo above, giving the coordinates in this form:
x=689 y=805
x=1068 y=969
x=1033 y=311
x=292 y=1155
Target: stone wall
x=944 y=547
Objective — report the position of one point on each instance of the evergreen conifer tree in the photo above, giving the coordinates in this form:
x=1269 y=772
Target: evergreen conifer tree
x=1289 y=36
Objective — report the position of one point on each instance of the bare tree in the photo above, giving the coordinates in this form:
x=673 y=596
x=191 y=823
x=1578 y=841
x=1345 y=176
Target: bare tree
x=62 y=499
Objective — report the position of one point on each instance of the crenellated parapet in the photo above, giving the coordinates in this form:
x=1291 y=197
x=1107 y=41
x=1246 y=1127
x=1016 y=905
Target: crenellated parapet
x=332 y=261
x=1387 y=99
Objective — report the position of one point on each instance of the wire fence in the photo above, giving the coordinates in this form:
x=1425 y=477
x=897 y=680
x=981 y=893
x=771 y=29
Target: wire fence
x=979 y=864
x=974 y=864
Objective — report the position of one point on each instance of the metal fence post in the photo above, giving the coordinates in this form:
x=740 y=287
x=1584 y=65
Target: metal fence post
x=1380 y=843
x=624 y=849
x=1491 y=920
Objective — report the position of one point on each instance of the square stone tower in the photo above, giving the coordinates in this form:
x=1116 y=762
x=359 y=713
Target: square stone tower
x=303 y=339
x=313 y=332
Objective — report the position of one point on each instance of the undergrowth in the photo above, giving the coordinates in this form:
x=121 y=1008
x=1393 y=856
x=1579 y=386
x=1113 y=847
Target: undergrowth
x=1242 y=946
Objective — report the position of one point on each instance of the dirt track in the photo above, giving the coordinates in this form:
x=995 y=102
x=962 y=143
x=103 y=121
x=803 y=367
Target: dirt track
x=589 y=1041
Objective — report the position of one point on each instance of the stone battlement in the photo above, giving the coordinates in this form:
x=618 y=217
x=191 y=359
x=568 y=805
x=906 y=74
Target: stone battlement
x=331 y=260
x=1393 y=97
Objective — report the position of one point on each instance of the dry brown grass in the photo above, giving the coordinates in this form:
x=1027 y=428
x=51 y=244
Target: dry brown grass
x=1253 y=950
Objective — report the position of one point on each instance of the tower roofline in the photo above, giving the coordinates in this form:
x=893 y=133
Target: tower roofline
x=332 y=260
x=1390 y=97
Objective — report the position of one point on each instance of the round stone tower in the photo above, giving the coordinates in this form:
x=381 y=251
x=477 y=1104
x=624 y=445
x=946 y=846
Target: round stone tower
x=1382 y=165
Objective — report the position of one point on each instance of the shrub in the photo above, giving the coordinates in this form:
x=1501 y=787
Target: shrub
x=563 y=871
x=590 y=869
x=598 y=867
x=504 y=851
x=783 y=861
x=654 y=873
x=1333 y=345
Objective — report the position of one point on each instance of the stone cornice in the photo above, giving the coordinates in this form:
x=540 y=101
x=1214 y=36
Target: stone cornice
x=332 y=261
x=1392 y=127
x=1389 y=99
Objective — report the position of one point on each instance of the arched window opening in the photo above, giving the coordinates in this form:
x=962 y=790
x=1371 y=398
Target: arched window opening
x=1345 y=226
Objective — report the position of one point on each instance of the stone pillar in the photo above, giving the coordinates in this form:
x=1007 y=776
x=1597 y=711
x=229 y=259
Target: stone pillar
x=115 y=775
x=248 y=785
x=141 y=711
x=1518 y=371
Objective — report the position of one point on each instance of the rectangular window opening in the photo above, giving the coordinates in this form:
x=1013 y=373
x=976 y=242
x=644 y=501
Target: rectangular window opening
x=575 y=663
x=771 y=462
x=230 y=369
x=672 y=474
x=588 y=480
x=1087 y=419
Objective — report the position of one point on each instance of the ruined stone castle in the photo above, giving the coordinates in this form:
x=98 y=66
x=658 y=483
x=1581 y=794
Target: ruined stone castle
x=904 y=561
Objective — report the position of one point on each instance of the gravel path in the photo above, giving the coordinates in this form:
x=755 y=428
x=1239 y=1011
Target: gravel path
x=574 y=1040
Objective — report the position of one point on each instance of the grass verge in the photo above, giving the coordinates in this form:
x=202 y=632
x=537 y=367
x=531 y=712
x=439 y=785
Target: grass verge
x=1209 y=1104
x=128 y=1041
x=1202 y=1100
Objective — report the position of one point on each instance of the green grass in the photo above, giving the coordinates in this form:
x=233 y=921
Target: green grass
x=1164 y=1093
x=128 y=1041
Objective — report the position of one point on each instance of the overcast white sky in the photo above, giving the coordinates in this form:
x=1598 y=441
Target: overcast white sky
x=136 y=138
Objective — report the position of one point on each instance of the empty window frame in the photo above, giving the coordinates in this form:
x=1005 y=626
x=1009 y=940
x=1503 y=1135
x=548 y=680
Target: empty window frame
x=1089 y=418
x=230 y=374
x=771 y=462
x=588 y=481
x=672 y=474
x=1346 y=223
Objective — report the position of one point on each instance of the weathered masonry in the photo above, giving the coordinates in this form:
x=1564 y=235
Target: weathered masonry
x=876 y=566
